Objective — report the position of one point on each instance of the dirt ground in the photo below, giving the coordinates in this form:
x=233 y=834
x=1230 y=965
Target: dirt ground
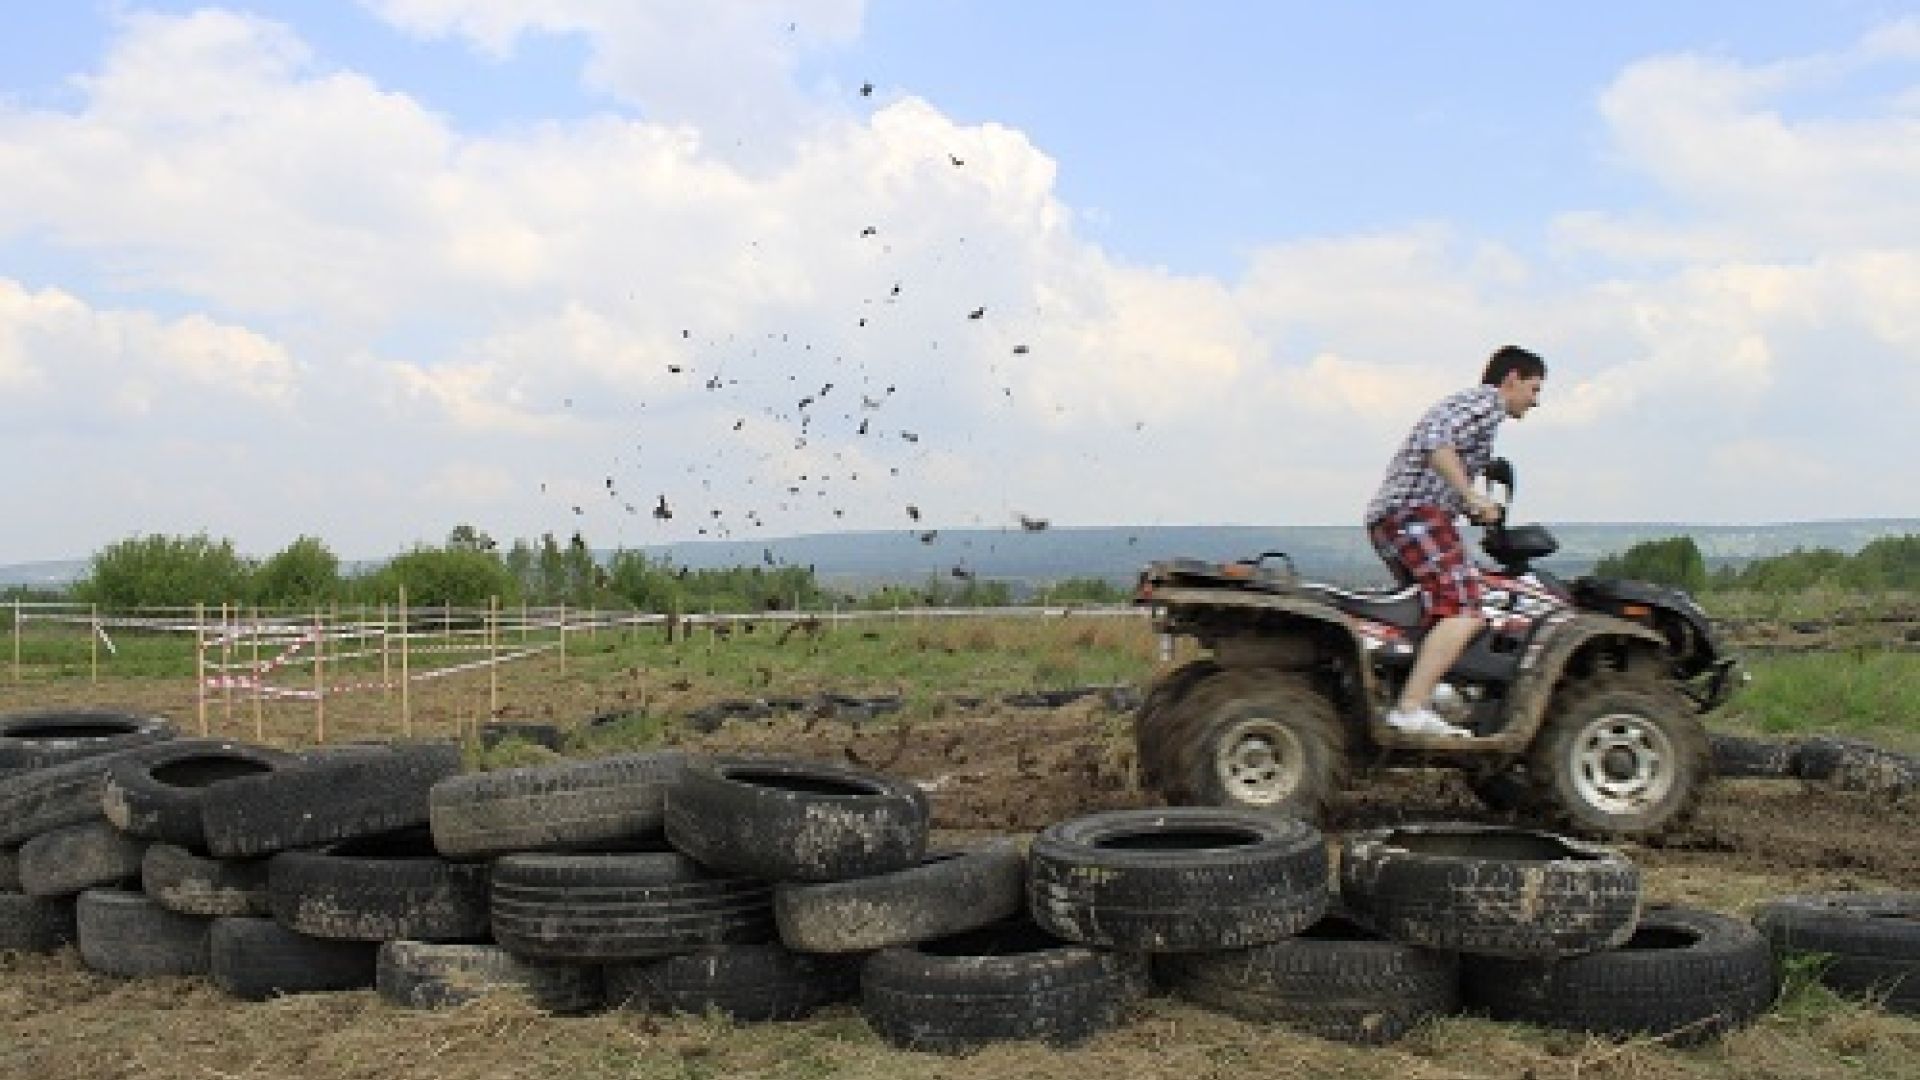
x=989 y=770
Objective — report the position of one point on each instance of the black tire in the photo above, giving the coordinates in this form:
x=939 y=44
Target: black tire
x=379 y=888
x=782 y=819
x=747 y=983
x=949 y=892
x=1177 y=879
x=35 y=924
x=258 y=959
x=127 y=934
x=72 y=859
x=495 y=732
x=617 y=907
x=9 y=869
x=434 y=975
x=1869 y=942
x=1006 y=982
x=37 y=738
x=47 y=798
x=324 y=798
x=1506 y=792
x=1736 y=757
x=157 y=796
x=1684 y=977
x=577 y=806
x=1336 y=980
x=1151 y=721
x=193 y=884
x=1620 y=754
x=1255 y=739
x=1852 y=765
x=1489 y=889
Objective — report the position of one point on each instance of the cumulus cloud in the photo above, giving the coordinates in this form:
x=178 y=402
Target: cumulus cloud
x=541 y=328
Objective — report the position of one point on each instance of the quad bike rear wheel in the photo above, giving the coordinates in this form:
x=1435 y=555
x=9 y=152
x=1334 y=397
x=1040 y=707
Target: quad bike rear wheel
x=1256 y=739
x=1153 y=722
x=1621 y=754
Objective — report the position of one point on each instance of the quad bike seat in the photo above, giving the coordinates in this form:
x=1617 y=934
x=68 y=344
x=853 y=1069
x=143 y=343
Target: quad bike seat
x=1397 y=607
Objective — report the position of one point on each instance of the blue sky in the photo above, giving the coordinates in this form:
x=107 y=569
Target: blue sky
x=366 y=271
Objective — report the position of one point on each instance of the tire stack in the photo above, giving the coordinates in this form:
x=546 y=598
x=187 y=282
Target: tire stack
x=1551 y=931
x=55 y=842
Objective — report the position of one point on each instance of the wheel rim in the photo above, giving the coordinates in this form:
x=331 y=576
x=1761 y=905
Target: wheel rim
x=1260 y=762
x=1623 y=764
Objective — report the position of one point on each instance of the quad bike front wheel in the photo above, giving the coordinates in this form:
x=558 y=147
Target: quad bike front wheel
x=1621 y=755
x=1255 y=739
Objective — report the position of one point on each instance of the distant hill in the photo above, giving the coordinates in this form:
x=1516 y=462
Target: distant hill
x=856 y=560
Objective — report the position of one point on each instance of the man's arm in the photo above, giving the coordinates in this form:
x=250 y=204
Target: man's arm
x=1445 y=460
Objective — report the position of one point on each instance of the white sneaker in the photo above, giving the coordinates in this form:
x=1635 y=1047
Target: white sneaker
x=1424 y=722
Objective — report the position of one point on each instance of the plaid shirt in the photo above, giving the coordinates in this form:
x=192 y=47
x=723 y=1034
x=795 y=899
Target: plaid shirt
x=1465 y=421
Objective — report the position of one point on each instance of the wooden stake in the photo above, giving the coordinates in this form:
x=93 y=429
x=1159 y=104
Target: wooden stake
x=200 y=663
x=406 y=683
x=259 y=717
x=319 y=679
x=94 y=642
x=493 y=658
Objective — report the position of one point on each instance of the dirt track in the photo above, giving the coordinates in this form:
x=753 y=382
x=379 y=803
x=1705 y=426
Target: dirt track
x=1019 y=770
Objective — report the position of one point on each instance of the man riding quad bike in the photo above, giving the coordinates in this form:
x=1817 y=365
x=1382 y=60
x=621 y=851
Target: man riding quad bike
x=1576 y=702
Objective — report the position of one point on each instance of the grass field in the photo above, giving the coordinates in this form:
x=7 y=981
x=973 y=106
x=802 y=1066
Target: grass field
x=991 y=769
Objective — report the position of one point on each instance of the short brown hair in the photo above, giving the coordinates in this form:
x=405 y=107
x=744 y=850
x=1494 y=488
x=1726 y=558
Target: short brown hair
x=1512 y=358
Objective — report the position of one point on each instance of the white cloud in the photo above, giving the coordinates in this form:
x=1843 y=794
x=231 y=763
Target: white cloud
x=488 y=323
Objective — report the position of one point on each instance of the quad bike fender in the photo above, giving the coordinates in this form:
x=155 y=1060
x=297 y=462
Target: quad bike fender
x=1564 y=637
x=1205 y=612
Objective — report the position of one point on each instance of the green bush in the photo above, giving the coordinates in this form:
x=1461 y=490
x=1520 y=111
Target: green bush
x=1675 y=561
x=457 y=577
x=302 y=574
x=165 y=571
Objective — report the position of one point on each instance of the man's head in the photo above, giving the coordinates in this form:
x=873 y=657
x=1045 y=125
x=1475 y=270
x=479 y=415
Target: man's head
x=1518 y=375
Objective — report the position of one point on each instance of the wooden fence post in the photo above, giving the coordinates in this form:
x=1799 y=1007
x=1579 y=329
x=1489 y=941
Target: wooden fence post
x=93 y=641
x=493 y=657
x=406 y=681
x=200 y=664
x=16 y=643
x=319 y=679
x=563 y=637
x=259 y=713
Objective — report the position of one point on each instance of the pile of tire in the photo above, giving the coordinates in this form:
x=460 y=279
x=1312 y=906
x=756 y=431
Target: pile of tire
x=764 y=888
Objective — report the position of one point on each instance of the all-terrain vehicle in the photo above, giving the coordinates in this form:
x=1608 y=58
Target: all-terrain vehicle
x=1584 y=698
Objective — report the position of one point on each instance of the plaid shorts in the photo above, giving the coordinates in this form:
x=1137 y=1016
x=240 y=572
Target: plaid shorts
x=1422 y=547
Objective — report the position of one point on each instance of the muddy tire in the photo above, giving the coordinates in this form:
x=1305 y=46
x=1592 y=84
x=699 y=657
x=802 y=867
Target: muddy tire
x=1620 y=755
x=38 y=738
x=605 y=804
x=198 y=885
x=47 y=798
x=1010 y=981
x=746 y=983
x=1869 y=942
x=1177 y=879
x=379 y=888
x=622 y=907
x=1489 y=889
x=1684 y=977
x=783 y=819
x=72 y=859
x=1736 y=757
x=1336 y=980
x=35 y=924
x=258 y=959
x=338 y=795
x=948 y=893
x=1152 y=724
x=1254 y=739
x=429 y=975
x=1506 y=792
x=9 y=869
x=157 y=795
x=127 y=934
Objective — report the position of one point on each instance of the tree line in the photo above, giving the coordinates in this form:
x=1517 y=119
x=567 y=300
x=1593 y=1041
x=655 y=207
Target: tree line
x=1889 y=563
x=469 y=569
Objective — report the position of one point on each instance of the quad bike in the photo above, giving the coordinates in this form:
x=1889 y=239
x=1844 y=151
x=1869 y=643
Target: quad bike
x=1583 y=699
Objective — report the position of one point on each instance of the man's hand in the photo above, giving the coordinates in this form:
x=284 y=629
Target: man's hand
x=1482 y=510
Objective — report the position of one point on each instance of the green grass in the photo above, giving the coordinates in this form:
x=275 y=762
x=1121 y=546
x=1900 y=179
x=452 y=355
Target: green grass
x=1867 y=692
